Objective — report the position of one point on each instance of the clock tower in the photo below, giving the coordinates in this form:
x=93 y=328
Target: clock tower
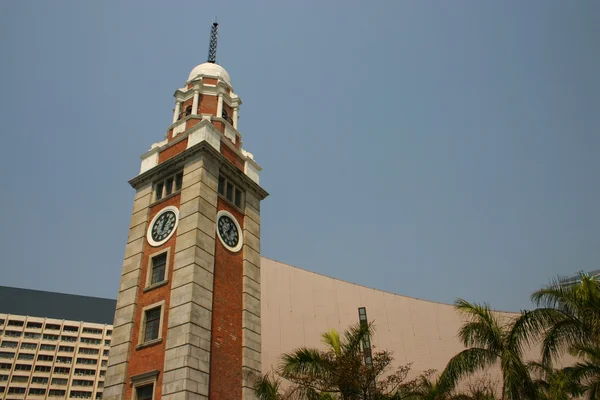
x=187 y=321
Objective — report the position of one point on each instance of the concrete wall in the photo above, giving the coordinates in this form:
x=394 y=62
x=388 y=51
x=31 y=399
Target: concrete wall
x=298 y=305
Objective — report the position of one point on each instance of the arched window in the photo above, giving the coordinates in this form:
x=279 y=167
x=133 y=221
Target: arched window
x=226 y=116
x=188 y=110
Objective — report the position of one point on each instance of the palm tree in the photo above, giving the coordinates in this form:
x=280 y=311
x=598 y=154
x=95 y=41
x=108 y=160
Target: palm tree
x=424 y=388
x=554 y=384
x=269 y=387
x=338 y=369
x=586 y=372
x=568 y=316
x=489 y=342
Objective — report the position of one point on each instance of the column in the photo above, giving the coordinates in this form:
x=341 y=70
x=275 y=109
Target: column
x=195 y=103
x=177 y=111
x=251 y=342
x=188 y=343
x=118 y=361
x=235 y=117
x=220 y=106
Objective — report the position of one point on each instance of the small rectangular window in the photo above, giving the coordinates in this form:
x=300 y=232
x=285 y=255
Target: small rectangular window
x=85 y=372
x=159 y=190
x=238 y=198
x=94 y=331
x=8 y=344
x=144 y=392
x=159 y=263
x=152 y=318
x=168 y=186
x=229 y=193
x=34 y=325
x=25 y=356
x=64 y=360
x=53 y=327
x=29 y=346
x=12 y=322
x=19 y=378
x=221 y=185
x=68 y=328
x=39 y=379
x=178 y=181
x=48 y=347
x=31 y=335
x=37 y=391
x=43 y=368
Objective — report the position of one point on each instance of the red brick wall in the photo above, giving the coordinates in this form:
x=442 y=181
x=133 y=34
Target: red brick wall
x=226 y=345
x=153 y=357
x=232 y=156
x=208 y=105
x=210 y=81
x=172 y=151
x=191 y=122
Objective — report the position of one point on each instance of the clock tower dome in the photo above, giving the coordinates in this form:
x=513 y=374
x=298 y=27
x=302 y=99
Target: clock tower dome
x=187 y=321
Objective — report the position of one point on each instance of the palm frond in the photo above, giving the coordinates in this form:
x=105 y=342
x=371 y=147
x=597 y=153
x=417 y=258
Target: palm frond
x=482 y=328
x=302 y=363
x=354 y=337
x=466 y=362
x=332 y=340
x=266 y=387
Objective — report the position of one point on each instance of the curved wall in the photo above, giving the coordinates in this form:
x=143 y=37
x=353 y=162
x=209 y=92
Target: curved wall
x=298 y=305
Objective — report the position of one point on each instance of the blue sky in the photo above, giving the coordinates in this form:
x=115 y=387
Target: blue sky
x=432 y=149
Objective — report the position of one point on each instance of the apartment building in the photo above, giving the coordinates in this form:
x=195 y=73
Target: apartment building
x=46 y=351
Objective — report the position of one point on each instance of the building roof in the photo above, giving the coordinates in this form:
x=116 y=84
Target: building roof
x=56 y=305
x=210 y=69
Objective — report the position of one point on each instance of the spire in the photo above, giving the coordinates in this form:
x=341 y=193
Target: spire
x=212 y=47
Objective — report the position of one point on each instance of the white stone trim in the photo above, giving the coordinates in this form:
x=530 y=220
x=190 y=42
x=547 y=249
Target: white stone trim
x=176 y=111
x=195 y=102
x=235 y=117
x=141 y=342
x=149 y=160
x=204 y=132
x=220 y=105
x=252 y=170
x=230 y=132
x=240 y=243
x=179 y=127
x=151 y=241
x=145 y=379
x=149 y=285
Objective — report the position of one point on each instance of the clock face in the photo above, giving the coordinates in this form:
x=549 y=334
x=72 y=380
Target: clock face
x=163 y=226
x=229 y=231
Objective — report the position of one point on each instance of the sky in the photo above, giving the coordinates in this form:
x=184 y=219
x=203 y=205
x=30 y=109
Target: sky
x=432 y=149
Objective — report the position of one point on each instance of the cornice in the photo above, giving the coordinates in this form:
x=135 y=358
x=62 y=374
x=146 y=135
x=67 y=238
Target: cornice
x=202 y=147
